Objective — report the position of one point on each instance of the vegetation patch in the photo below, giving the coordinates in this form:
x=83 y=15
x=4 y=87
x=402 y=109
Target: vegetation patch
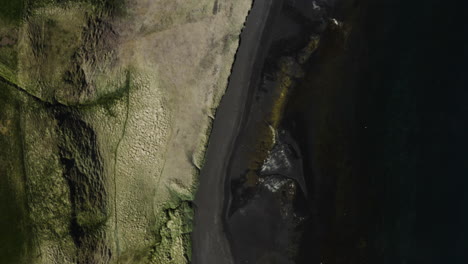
x=11 y=11
x=15 y=229
x=173 y=243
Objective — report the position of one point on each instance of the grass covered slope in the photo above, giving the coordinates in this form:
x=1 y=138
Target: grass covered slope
x=106 y=108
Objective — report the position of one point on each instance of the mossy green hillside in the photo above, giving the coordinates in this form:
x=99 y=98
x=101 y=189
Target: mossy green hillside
x=81 y=125
x=11 y=11
x=114 y=6
x=15 y=229
x=173 y=245
x=48 y=48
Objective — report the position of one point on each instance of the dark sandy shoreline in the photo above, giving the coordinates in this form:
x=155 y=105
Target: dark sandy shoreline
x=209 y=240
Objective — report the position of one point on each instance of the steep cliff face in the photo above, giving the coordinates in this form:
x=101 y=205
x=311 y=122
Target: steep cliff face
x=105 y=111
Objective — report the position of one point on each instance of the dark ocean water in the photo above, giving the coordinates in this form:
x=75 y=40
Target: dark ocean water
x=384 y=127
x=418 y=71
